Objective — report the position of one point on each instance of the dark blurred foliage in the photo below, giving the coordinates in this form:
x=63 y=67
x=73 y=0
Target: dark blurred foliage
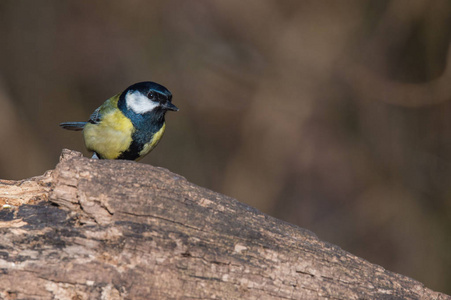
x=333 y=115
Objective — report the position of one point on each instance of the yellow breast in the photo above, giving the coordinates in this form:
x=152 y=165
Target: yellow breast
x=111 y=136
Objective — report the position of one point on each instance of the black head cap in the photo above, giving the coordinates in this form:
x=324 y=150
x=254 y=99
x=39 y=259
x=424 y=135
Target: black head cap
x=146 y=87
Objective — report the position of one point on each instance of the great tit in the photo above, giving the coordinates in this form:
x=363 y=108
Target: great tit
x=128 y=125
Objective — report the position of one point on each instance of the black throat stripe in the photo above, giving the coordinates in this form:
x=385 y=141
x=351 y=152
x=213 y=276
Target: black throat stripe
x=142 y=136
x=145 y=125
x=133 y=151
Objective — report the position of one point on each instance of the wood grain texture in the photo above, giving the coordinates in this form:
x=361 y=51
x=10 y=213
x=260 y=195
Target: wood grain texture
x=125 y=230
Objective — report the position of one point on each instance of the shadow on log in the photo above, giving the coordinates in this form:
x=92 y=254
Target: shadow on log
x=100 y=229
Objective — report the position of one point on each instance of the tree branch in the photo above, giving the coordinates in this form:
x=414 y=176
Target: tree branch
x=124 y=230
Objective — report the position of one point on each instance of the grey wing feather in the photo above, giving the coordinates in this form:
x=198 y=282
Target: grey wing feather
x=76 y=126
x=95 y=116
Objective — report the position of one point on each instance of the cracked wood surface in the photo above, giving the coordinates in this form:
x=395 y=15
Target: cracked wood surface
x=124 y=230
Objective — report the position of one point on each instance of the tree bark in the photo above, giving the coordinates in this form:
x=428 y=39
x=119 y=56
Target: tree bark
x=101 y=229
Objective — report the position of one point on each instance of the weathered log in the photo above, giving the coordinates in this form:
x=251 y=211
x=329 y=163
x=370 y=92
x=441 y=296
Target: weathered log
x=100 y=229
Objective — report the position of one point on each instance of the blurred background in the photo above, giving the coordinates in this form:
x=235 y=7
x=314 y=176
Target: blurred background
x=332 y=115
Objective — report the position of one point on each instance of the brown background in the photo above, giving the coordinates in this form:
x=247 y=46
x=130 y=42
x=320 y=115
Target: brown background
x=332 y=115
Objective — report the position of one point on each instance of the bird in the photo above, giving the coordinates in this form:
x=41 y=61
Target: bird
x=128 y=125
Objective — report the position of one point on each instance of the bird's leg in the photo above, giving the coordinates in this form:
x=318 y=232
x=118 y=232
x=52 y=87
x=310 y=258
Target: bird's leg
x=95 y=156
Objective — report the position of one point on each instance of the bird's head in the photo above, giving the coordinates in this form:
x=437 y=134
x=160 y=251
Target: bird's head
x=145 y=97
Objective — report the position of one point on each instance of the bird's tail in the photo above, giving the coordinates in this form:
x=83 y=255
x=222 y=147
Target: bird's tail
x=77 y=126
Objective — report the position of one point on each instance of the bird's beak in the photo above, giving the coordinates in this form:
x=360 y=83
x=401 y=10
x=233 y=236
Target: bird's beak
x=169 y=106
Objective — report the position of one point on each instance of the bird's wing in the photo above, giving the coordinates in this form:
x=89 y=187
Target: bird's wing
x=95 y=116
x=106 y=108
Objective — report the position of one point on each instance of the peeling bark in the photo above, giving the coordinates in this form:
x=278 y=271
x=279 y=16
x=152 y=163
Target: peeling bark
x=100 y=229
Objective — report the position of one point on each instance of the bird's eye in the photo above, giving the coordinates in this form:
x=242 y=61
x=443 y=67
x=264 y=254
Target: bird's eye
x=151 y=95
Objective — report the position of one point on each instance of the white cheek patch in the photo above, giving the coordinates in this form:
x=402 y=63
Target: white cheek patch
x=139 y=103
